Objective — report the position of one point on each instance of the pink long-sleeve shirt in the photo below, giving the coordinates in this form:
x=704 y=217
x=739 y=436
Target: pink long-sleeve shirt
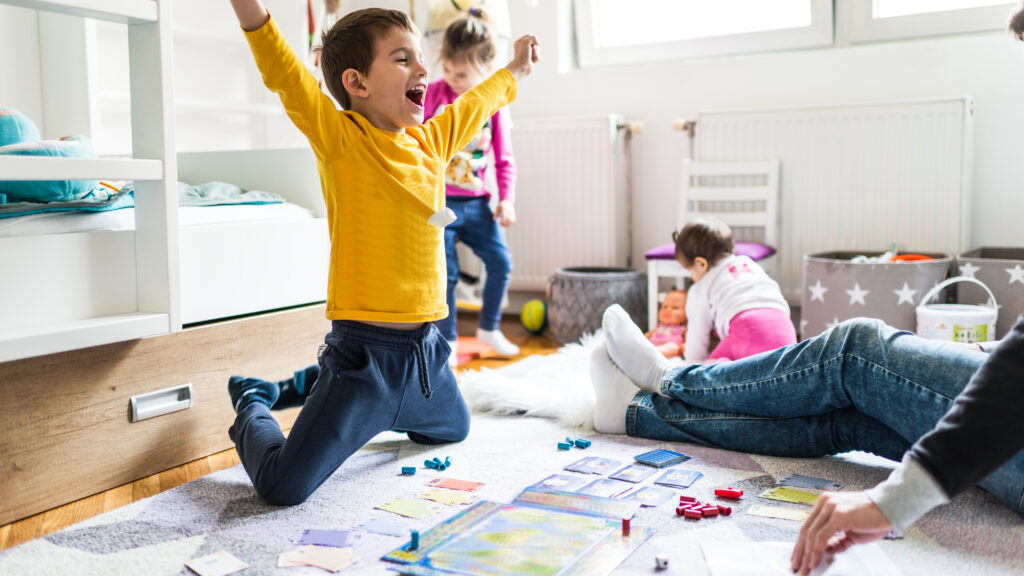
x=465 y=174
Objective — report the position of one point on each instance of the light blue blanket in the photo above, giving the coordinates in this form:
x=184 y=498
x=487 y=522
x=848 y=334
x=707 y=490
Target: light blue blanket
x=101 y=199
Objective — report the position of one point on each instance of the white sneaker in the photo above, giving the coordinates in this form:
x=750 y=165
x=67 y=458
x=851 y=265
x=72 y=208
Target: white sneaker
x=495 y=339
x=453 y=360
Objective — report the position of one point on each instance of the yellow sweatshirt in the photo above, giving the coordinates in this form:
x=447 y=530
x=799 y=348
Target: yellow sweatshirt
x=380 y=187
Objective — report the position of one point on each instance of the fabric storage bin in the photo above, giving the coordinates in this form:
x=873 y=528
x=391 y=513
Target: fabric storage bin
x=836 y=289
x=577 y=298
x=1002 y=270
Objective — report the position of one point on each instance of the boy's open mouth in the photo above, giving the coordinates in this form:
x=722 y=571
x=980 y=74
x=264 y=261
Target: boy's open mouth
x=416 y=95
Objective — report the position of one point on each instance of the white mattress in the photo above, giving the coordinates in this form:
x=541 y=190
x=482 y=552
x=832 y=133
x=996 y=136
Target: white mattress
x=124 y=219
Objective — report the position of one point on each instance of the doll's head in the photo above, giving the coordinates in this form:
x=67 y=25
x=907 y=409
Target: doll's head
x=673 y=309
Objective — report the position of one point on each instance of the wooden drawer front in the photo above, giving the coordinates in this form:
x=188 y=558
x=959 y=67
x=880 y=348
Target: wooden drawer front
x=66 y=431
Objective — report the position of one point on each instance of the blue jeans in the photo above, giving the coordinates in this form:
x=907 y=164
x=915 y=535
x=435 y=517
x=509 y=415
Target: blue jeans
x=371 y=380
x=476 y=227
x=862 y=385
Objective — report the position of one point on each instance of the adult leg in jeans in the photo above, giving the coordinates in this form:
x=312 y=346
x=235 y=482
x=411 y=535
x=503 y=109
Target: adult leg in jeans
x=904 y=382
x=893 y=376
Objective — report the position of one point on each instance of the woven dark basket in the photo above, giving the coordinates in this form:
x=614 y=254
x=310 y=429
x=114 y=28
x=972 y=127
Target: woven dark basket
x=577 y=298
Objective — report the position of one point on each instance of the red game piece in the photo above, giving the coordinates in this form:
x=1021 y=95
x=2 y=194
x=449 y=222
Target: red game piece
x=679 y=511
x=710 y=511
x=725 y=510
x=694 y=514
x=685 y=498
x=728 y=492
x=625 y=526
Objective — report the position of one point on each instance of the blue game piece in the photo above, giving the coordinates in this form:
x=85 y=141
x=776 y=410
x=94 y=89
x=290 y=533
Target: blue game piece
x=564 y=446
x=408 y=470
x=582 y=443
x=447 y=461
x=414 y=540
x=430 y=464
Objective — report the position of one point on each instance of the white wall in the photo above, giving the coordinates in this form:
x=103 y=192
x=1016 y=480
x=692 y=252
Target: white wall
x=20 y=84
x=989 y=67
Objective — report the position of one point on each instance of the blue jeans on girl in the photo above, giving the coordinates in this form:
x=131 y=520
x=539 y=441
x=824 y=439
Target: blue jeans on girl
x=476 y=228
x=862 y=385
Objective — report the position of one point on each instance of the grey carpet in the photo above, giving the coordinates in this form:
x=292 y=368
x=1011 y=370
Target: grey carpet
x=975 y=534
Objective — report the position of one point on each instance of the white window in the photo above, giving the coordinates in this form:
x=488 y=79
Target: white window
x=876 y=20
x=631 y=31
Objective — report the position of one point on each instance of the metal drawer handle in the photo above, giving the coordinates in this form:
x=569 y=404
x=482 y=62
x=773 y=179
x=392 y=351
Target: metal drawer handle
x=161 y=402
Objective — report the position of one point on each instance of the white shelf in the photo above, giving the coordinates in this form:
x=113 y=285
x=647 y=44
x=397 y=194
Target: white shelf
x=47 y=168
x=53 y=338
x=122 y=11
x=201 y=105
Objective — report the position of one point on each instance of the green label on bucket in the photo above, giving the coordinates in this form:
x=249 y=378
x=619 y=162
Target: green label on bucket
x=970 y=333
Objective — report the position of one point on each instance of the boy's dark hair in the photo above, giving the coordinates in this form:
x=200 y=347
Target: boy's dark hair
x=1016 y=25
x=352 y=43
x=469 y=39
x=707 y=238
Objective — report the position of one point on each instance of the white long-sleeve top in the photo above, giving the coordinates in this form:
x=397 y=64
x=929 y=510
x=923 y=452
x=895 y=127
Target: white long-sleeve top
x=733 y=285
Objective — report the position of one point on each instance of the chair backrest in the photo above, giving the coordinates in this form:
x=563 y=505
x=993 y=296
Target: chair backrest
x=744 y=195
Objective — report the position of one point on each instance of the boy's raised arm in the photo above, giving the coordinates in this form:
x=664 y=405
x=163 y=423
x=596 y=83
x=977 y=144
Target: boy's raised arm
x=251 y=14
x=526 y=54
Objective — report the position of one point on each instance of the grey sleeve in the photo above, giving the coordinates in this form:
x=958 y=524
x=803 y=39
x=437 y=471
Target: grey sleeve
x=909 y=493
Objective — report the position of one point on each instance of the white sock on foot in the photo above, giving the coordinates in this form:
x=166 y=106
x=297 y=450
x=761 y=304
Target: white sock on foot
x=632 y=351
x=496 y=340
x=613 y=391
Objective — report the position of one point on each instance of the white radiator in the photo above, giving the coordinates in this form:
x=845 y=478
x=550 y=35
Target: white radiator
x=571 y=198
x=857 y=177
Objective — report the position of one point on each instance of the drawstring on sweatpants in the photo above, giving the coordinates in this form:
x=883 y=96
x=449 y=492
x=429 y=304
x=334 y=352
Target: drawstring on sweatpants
x=421 y=362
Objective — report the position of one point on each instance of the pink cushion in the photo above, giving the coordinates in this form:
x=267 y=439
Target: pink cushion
x=753 y=250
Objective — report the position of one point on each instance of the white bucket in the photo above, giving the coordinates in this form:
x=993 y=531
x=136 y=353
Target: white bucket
x=957 y=322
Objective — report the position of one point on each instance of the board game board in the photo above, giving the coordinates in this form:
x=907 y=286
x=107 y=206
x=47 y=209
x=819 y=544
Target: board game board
x=540 y=533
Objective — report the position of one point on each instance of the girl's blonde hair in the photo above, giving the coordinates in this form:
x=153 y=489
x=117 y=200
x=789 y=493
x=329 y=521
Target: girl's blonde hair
x=470 y=39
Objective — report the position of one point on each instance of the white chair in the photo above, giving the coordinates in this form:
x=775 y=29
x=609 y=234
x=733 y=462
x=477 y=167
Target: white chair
x=744 y=195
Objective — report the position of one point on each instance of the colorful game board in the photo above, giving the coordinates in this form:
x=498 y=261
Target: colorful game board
x=526 y=537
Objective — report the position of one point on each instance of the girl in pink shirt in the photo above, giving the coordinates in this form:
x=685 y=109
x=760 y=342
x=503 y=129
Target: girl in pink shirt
x=467 y=53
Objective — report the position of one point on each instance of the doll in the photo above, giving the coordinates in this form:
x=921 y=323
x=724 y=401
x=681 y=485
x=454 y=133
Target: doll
x=669 y=336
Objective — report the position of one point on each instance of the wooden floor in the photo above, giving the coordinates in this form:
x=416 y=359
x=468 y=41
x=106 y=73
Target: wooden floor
x=64 y=516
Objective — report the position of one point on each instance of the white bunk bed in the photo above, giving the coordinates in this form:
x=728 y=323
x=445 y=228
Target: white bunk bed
x=36 y=319
x=159 y=272
x=107 y=317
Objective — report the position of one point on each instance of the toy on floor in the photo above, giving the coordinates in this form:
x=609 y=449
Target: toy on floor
x=534 y=316
x=669 y=336
x=540 y=532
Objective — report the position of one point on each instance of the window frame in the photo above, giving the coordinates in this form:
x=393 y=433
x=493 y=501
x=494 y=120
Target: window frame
x=865 y=28
x=819 y=34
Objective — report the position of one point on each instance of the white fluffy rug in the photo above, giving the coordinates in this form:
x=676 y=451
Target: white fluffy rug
x=555 y=386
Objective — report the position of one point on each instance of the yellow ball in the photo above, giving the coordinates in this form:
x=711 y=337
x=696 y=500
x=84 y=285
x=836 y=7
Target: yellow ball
x=534 y=316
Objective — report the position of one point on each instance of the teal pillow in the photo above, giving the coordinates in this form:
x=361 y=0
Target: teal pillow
x=20 y=137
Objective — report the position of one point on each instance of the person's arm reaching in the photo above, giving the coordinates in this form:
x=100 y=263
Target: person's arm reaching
x=251 y=14
x=943 y=463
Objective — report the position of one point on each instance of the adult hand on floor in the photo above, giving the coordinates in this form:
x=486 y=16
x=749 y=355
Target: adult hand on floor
x=837 y=522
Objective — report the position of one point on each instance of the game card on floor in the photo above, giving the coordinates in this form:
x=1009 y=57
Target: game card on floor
x=679 y=478
x=561 y=482
x=801 y=481
x=649 y=496
x=593 y=465
x=605 y=488
x=634 y=473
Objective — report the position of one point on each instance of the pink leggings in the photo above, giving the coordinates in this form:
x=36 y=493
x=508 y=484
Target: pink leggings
x=755 y=331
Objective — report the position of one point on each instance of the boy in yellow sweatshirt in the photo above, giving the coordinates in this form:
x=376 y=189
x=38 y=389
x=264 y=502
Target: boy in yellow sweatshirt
x=384 y=365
